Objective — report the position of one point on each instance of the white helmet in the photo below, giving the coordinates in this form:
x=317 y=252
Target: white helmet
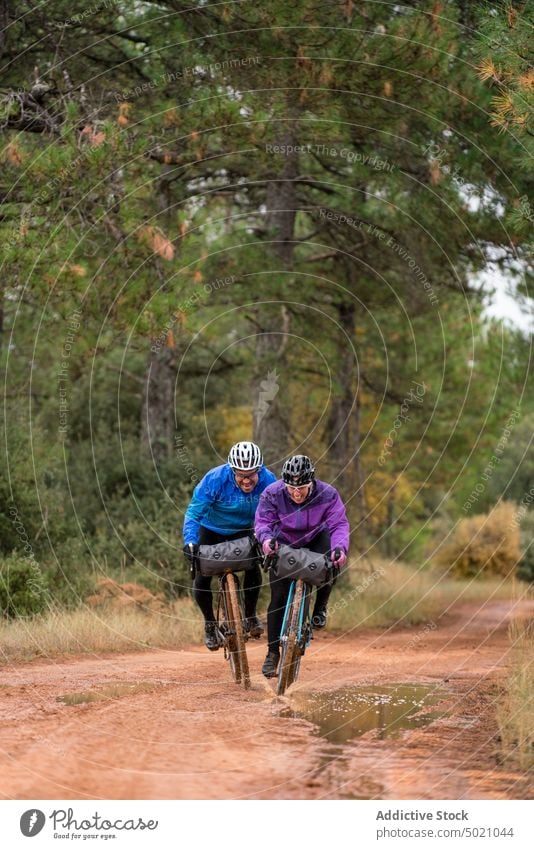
x=245 y=456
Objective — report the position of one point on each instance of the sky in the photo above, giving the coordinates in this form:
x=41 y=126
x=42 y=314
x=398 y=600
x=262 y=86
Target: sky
x=502 y=304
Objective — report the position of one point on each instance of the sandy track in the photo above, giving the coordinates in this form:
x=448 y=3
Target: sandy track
x=193 y=734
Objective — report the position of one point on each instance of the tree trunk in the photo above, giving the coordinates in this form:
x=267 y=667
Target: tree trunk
x=271 y=425
x=157 y=422
x=343 y=427
x=4 y=21
x=360 y=504
x=158 y=410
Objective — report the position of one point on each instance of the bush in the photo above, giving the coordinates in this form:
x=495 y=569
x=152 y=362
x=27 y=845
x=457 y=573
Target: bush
x=487 y=544
x=23 y=587
x=141 y=541
x=70 y=572
x=32 y=495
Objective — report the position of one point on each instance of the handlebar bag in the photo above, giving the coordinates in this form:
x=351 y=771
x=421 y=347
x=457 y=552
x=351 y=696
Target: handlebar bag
x=295 y=563
x=234 y=555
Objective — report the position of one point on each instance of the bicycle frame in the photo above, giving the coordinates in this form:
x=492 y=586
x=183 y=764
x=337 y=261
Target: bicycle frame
x=302 y=612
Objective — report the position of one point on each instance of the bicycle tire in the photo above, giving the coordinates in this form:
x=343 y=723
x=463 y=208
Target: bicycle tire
x=294 y=665
x=236 y=623
x=226 y=629
x=289 y=667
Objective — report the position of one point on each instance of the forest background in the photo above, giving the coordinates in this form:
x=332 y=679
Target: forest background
x=272 y=221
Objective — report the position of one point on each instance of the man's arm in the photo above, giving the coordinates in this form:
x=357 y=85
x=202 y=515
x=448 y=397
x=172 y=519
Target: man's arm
x=337 y=523
x=203 y=498
x=266 y=523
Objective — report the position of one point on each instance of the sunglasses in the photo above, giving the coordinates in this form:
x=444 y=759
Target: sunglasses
x=240 y=476
x=300 y=486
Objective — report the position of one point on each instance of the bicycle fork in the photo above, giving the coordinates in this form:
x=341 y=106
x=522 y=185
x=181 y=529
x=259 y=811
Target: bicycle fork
x=304 y=628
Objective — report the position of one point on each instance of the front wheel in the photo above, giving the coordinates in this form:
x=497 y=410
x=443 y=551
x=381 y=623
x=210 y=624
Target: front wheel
x=291 y=651
x=236 y=647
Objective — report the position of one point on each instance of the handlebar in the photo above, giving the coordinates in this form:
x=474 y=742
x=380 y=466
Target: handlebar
x=270 y=559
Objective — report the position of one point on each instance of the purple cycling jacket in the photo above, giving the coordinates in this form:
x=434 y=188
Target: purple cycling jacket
x=280 y=518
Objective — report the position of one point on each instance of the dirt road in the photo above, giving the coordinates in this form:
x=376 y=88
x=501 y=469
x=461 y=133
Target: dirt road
x=180 y=729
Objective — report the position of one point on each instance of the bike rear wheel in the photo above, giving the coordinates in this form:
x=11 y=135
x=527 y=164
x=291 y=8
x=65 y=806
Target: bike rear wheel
x=236 y=647
x=290 y=657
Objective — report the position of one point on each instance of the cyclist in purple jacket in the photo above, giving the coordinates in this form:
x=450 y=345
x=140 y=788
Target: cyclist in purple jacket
x=305 y=513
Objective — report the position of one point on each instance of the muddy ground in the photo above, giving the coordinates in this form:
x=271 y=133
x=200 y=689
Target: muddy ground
x=182 y=730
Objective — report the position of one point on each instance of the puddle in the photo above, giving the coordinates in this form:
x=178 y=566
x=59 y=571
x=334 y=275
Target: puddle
x=108 y=692
x=344 y=714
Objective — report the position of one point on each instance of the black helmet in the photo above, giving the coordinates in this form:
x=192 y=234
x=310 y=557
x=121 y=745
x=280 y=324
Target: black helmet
x=298 y=470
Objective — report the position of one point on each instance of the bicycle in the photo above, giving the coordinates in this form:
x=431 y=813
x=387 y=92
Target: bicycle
x=222 y=560
x=295 y=635
x=296 y=632
x=232 y=627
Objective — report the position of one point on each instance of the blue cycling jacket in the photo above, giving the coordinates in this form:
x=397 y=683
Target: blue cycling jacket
x=219 y=505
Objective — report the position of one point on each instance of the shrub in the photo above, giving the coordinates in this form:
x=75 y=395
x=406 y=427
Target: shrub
x=149 y=554
x=70 y=572
x=487 y=544
x=23 y=587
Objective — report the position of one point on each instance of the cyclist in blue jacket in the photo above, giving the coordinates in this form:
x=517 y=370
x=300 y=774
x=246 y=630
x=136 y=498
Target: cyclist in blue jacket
x=222 y=508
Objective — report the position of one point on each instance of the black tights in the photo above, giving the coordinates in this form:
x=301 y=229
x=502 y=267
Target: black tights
x=280 y=592
x=202 y=592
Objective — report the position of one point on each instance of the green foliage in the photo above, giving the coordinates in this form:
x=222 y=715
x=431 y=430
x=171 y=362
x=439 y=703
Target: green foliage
x=144 y=549
x=31 y=506
x=23 y=587
x=513 y=476
x=138 y=175
x=70 y=572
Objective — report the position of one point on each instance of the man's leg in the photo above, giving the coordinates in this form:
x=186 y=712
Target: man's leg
x=275 y=611
x=321 y=544
x=275 y=617
x=251 y=589
x=321 y=603
x=252 y=581
x=204 y=597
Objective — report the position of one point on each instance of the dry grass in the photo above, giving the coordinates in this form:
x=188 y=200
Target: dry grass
x=87 y=631
x=395 y=593
x=516 y=712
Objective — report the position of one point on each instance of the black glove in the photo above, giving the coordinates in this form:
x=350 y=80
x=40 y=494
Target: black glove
x=269 y=551
x=190 y=554
x=339 y=558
